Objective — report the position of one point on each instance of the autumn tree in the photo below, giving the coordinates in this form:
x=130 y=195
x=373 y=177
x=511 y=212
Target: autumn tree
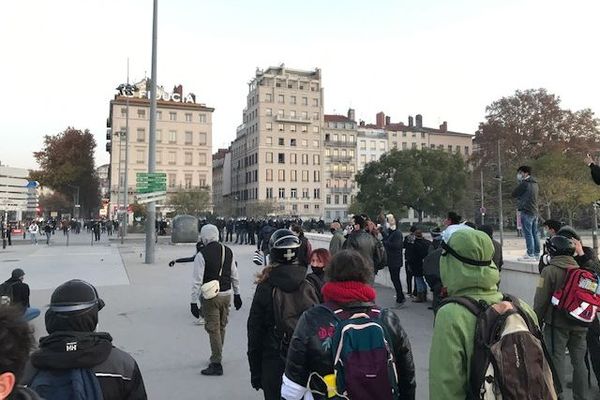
x=191 y=202
x=67 y=164
x=55 y=202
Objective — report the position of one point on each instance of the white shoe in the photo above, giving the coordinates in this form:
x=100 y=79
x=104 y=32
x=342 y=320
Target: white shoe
x=199 y=321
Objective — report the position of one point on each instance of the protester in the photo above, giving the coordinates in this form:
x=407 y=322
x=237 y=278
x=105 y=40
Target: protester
x=551 y=227
x=419 y=250
x=594 y=169
x=214 y=266
x=498 y=257
x=310 y=358
x=282 y=294
x=409 y=241
x=48 y=232
x=33 y=232
x=452 y=219
x=15 y=344
x=337 y=241
x=363 y=242
x=431 y=267
x=305 y=249
x=319 y=259
x=560 y=331
x=393 y=242
x=473 y=275
x=16 y=293
x=74 y=344
x=263 y=238
x=526 y=194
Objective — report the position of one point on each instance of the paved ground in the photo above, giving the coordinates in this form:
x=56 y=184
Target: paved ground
x=148 y=314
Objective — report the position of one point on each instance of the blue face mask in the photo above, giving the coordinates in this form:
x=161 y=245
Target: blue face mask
x=519 y=176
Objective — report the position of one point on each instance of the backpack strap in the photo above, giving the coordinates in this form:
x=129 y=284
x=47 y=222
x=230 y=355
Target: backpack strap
x=474 y=306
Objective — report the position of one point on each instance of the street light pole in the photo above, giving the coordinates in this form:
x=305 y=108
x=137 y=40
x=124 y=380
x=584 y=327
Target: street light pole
x=481 y=210
x=151 y=209
x=595 y=229
x=500 y=212
x=125 y=213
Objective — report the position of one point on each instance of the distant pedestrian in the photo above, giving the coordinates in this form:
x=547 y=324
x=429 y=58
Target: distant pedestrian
x=526 y=194
x=498 y=258
x=337 y=241
x=33 y=229
x=420 y=248
x=15 y=292
x=96 y=230
x=48 y=232
x=393 y=242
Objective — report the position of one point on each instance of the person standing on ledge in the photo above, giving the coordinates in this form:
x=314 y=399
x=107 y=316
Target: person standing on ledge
x=526 y=194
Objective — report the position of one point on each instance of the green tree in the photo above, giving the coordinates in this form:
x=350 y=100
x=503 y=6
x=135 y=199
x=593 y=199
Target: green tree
x=191 y=202
x=66 y=163
x=428 y=181
x=260 y=208
x=55 y=202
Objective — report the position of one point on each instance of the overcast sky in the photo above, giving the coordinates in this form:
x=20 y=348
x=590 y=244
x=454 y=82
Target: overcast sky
x=61 y=60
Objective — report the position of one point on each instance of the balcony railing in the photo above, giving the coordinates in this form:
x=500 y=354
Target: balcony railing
x=346 y=189
x=339 y=143
x=342 y=174
x=341 y=158
x=298 y=120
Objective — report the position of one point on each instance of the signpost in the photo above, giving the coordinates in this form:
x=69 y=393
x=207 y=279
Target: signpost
x=151 y=187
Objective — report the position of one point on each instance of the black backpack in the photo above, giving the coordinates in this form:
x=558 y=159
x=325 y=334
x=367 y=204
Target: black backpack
x=288 y=307
x=510 y=360
x=6 y=293
x=380 y=255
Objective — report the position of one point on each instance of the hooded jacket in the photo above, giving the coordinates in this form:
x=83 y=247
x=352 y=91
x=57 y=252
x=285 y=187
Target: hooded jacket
x=364 y=243
x=23 y=393
x=337 y=241
x=453 y=335
x=527 y=195
x=394 y=243
x=117 y=372
x=551 y=279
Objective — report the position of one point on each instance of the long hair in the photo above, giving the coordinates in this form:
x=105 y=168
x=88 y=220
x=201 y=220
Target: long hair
x=322 y=254
x=263 y=275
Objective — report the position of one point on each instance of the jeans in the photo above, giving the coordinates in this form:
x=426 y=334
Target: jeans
x=48 y=234
x=395 y=277
x=530 y=232
x=216 y=311
x=420 y=284
x=31 y=313
x=33 y=238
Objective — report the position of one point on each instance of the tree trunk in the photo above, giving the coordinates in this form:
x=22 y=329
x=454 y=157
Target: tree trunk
x=548 y=212
x=420 y=213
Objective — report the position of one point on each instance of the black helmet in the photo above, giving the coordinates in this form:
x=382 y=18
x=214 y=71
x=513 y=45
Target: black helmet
x=559 y=245
x=283 y=246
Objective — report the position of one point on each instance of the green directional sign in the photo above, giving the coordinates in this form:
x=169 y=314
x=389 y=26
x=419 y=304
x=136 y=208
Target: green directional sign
x=151 y=182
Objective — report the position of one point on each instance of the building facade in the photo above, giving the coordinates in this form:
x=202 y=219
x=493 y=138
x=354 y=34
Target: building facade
x=339 y=166
x=18 y=195
x=278 y=151
x=183 y=140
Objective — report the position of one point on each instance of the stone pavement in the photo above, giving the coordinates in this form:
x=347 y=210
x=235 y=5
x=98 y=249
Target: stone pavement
x=147 y=312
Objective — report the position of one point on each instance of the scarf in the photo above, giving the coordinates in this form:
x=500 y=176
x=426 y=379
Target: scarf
x=348 y=292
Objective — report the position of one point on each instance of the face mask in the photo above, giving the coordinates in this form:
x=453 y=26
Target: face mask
x=317 y=270
x=519 y=176
x=332 y=230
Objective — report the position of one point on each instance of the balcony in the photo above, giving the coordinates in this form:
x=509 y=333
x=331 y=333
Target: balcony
x=108 y=123
x=339 y=143
x=294 y=120
x=341 y=158
x=108 y=146
x=343 y=189
x=342 y=174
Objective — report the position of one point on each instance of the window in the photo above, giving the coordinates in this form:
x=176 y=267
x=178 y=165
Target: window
x=281 y=175
x=280 y=113
x=317 y=193
x=449 y=148
x=188 y=117
x=328 y=199
x=269 y=193
x=172 y=180
x=202 y=117
x=315 y=102
x=294 y=207
x=304 y=159
x=315 y=129
x=188 y=158
x=269 y=175
x=363 y=158
x=422 y=135
x=202 y=180
x=269 y=112
x=293 y=175
x=141 y=113
x=304 y=128
x=123 y=112
x=315 y=143
x=316 y=159
x=141 y=135
x=172 y=157
x=159 y=157
x=305 y=193
x=269 y=140
x=280 y=98
x=202 y=136
x=316 y=116
x=282 y=193
x=293 y=142
x=413 y=145
x=395 y=145
x=269 y=98
x=293 y=158
x=304 y=176
x=172 y=136
x=373 y=145
x=173 y=116
x=140 y=157
x=466 y=149
x=382 y=145
x=269 y=158
x=292 y=128
x=363 y=144
x=188 y=137
x=269 y=126
x=304 y=143
x=345 y=199
x=281 y=158
x=432 y=146
x=293 y=193
x=281 y=141
x=292 y=99
x=280 y=126
x=305 y=101
x=373 y=158
x=159 y=115
x=336 y=199
x=188 y=181
x=414 y=134
x=158 y=136
x=317 y=176
x=201 y=158
x=304 y=115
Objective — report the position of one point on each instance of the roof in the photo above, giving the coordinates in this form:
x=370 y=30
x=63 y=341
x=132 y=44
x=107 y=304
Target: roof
x=336 y=118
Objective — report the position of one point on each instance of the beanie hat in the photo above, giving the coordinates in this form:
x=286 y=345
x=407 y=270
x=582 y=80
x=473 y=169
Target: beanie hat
x=359 y=220
x=74 y=306
x=209 y=233
x=17 y=273
x=569 y=232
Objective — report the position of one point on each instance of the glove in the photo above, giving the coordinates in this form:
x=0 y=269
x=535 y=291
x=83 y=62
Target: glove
x=256 y=383
x=195 y=310
x=237 y=301
x=171 y=263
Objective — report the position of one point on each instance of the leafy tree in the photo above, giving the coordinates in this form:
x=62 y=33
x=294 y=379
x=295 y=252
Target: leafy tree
x=55 y=202
x=67 y=163
x=191 y=202
x=260 y=208
x=428 y=181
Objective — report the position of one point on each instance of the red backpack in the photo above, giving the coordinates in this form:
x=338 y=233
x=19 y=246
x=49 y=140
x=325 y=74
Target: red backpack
x=580 y=295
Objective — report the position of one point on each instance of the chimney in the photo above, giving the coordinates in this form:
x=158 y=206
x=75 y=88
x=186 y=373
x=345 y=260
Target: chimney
x=388 y=120
x=380 y=119
x=410 y=121
x=351 y=114
x=444 y=127
x=419 y=121
x=362 y=123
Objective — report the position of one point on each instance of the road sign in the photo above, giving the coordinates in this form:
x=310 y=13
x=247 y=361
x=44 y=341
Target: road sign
x=151 y=182
x=157 y=196
x=151 y=194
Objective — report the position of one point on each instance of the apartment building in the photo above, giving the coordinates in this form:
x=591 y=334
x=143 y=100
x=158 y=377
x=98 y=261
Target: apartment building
x=372 y=143
x=339 y=166
x=183 y=140
x=278 y=151
x=221 y=175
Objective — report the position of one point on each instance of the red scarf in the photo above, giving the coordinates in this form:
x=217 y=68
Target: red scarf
x=348 y=292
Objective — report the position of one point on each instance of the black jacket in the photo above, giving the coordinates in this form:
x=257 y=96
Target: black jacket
x=595 y=170
x=527 y=196
x=394 y=243
x=20 y=293
x=498 y=258
x=307 y=353
x=118 y=373
x=304 y=251
x=419 y=250
x=262 y=341
x=263 y=238
x=23 y=393
x=364 y=243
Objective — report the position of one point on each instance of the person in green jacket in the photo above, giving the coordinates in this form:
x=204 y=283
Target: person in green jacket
x=560 y=331
x=453 y=335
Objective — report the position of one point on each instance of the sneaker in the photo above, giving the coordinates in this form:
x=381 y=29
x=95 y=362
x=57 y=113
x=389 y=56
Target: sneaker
x=213 y=369
x=526 y=257
x=199 y=321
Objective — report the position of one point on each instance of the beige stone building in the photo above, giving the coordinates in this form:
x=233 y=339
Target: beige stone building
x=278 y=151
x=183 y=141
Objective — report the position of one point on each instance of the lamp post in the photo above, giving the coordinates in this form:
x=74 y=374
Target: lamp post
x=500 y=212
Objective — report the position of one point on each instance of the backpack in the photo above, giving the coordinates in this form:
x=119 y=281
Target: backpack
x=510 y=360
x=579 y=296
x=6 y=293
x=363 y=356
x=288 y=307
x=71 y=384
x=380 y=255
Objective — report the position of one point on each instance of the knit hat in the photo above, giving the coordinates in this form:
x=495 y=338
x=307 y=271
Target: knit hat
x=74 y=306
x=209 y=233
x=569 y=232
x=17 y=273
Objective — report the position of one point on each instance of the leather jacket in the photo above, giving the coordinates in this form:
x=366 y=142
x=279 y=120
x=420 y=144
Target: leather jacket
x=307 y=354
x=364 y=243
